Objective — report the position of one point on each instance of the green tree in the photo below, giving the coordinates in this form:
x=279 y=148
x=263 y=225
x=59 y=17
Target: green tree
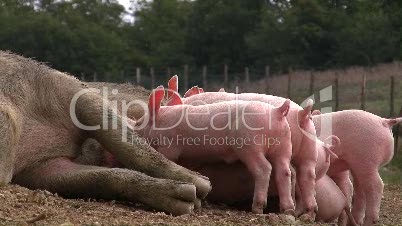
x=89 y=35
x=159 y=32
x=323 y=34
x=268 y=44
x=217 y=31
x=369 y=35
x=298 y=35
x=68 y=36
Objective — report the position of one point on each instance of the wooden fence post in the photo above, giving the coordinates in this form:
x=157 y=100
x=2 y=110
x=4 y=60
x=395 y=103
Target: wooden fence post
x=225 y=76
x=396 y=140
x=336 y=93
x=169 y=73
x=204 y=77
x=247 y=78
x=392 y=101
x=138 y=75
x=267 y=79
x=363 y=93
x=236 y=84
x=289 y=83
x=185 y=77
x=152 y=72
x=95 y=79
x=122 y=79
x=107 y=77
x=311 y=83
x=396 y=134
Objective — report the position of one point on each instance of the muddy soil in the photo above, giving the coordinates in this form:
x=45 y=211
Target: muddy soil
x=21 y=206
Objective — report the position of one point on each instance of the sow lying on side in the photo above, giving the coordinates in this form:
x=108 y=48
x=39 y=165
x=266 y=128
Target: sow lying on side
x=38 y=139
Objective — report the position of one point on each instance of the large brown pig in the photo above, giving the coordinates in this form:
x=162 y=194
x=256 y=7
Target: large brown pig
x=41 y=133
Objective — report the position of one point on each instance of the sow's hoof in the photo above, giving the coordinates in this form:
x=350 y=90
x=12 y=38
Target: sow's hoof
x=203 y=186
x=171 y=197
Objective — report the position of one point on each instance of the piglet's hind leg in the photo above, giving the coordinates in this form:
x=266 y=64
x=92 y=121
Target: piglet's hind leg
x=359 y=200
x=261 y=169
x=306 y=180
x=374 y=188
x=283 y=182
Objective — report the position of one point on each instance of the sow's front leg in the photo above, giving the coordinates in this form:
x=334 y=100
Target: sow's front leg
x=92 y=153
x=70 y=179
x=131 y=152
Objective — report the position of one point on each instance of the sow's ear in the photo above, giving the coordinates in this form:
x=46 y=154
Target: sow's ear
x=192 y=91
x=305 y=114
x=201 y=90
x=284 y=109
x=155 y=100
x=222 y=90
x=175 y=99
x=172 y=86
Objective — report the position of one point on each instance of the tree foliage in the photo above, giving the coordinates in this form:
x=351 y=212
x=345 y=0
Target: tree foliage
x=87 y=36
x=217 y=31
x=159 y=32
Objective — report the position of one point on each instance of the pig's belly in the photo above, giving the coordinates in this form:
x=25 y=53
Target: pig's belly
x=39 y=142
x=230 y=182
x=196 y=156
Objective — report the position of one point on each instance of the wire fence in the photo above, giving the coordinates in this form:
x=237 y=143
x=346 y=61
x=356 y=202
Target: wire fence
x=354 y=85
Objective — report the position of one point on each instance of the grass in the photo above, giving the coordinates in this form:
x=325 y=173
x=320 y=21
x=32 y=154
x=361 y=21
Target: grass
x=392 y=173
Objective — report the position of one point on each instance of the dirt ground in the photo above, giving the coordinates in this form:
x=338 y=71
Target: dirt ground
x=21 y=206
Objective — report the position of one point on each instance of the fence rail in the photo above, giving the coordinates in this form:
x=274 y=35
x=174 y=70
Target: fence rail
x=291 y=82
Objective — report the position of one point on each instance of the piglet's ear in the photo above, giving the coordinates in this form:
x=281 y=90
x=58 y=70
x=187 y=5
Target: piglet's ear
x=175 y=99
x=332 y=142
x=222 y=90
x=284 y=109
x=172 y=86
x=192 y=91
x=316 y=112
x=201 y=90
x=305 y=114
x=391 y=122
x=155 y=100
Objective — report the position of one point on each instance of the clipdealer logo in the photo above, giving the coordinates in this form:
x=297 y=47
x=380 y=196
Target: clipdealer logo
x=111 y=112
x=206 y=140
